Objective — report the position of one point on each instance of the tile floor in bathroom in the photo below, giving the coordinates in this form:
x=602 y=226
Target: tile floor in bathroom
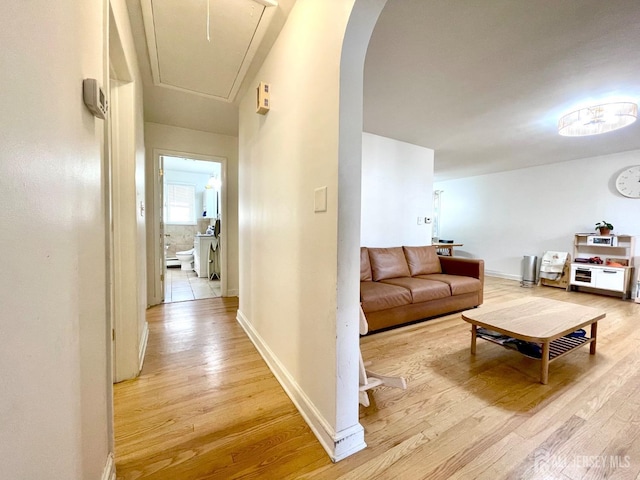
x=181 y=285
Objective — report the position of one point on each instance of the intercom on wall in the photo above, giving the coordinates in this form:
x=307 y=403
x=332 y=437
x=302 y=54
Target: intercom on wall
x=263 y=103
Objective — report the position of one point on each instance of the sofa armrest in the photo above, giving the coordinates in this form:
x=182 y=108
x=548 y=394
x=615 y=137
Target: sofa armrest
x=468 y=267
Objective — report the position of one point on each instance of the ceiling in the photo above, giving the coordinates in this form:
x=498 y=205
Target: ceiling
x=195 y=56
x=484 y=82
x=204 y=47
x=481 y=82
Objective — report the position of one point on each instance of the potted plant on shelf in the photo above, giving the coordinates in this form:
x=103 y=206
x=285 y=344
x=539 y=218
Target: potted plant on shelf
x=604 y=227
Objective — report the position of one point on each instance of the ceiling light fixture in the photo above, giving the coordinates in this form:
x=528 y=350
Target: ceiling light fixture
x=214 y=182
x=598 y=119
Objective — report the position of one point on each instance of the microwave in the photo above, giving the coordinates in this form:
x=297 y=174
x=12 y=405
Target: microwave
x=606 y=240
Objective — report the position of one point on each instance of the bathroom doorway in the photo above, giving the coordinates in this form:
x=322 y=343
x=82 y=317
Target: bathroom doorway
x=191 y=233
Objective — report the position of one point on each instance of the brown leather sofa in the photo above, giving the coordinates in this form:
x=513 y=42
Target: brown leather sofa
x=404 y=284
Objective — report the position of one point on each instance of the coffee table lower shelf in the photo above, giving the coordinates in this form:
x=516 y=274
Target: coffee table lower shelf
x=550 y=350
x=557 y=348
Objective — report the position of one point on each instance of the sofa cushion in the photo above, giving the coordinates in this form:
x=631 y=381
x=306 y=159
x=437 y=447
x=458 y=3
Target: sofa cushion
x=422 y=260
x=459 y=284
x=422 y=290
x=388 y=263
x=380 y=296
x=365 y=265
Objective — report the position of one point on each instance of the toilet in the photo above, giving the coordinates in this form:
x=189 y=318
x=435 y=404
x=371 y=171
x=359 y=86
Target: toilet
x=186 y=259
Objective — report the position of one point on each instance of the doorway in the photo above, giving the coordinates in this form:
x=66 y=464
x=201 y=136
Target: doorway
x=191 y=226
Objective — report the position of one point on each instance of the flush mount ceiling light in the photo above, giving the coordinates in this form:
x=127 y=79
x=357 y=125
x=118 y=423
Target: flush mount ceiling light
x=214 y=182
x=598 y=119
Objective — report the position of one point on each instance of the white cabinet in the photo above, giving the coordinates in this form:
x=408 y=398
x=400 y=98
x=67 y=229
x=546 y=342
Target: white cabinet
x=201 y=246
x=599 y=276
x=612 y=279
x=616 y=270
x=210 y=206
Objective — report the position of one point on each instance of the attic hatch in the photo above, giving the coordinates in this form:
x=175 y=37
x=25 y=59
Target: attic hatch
x=204 y=47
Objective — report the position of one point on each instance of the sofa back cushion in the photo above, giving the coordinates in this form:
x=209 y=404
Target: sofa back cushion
x=365 y=265
x=422 y=260
x=388 y=263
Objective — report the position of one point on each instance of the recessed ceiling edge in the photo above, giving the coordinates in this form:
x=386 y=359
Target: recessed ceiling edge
x=152 y=49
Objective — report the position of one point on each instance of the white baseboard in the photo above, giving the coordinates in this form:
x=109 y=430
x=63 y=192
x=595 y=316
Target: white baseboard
x=142 y=350
x=338 y=445
x=507 y=276
x=233 y=293
x=109 y=472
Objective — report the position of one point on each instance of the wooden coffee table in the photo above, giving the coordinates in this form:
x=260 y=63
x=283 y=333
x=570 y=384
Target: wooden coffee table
x=538 y=320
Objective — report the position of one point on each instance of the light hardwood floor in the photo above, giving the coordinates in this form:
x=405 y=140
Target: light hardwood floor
x=207 y=407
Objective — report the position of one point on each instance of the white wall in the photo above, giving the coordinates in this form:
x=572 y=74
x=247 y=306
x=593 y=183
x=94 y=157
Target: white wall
x=397 y=188
x=175 y=139
x=55 y=392
x=503 y=216
x=290 y=273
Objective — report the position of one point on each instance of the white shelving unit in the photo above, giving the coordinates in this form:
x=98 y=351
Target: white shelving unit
x=615 y=274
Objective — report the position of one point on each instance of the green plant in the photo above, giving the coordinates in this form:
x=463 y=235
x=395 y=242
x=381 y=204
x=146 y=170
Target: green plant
x=604 y=226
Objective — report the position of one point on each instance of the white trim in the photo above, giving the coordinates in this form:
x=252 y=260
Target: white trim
x=267 y=16
x=232 y=293
x=142 y=350
x=508 y=276
x=338 y=445
x=154 y=225
x=109 y=472
x=150 y=32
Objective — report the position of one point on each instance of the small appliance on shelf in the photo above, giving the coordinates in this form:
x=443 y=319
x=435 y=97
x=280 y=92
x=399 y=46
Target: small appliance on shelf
x=604 y=240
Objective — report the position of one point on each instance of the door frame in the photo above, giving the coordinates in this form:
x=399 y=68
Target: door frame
x=158 y=263
x=130 y=330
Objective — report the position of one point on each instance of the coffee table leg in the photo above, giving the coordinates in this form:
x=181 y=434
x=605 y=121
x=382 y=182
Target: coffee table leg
x=544 y=369
x=594 y=334
x=474 y=336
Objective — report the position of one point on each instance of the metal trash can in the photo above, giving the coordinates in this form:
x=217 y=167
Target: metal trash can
x=529 y=271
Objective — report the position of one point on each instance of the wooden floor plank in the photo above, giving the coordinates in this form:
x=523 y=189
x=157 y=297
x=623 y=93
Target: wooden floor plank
x=207 y=407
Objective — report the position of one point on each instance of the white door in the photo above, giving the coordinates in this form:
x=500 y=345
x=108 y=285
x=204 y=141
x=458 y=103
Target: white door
x=160 y=212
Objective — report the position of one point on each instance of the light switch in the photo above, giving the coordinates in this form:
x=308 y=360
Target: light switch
x=420 y=220
x=320 y=199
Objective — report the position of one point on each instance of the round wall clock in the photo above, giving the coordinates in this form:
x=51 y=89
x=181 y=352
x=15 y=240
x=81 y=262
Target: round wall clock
x=628 y=182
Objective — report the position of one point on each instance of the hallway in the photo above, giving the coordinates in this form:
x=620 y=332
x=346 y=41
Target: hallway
x=205 y=405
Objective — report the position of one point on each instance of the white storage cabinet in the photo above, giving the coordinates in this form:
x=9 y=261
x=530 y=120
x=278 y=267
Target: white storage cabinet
x=201 y=246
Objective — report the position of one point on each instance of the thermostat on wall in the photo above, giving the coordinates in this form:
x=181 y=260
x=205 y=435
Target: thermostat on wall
x=94 y=97
x=263 y=103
